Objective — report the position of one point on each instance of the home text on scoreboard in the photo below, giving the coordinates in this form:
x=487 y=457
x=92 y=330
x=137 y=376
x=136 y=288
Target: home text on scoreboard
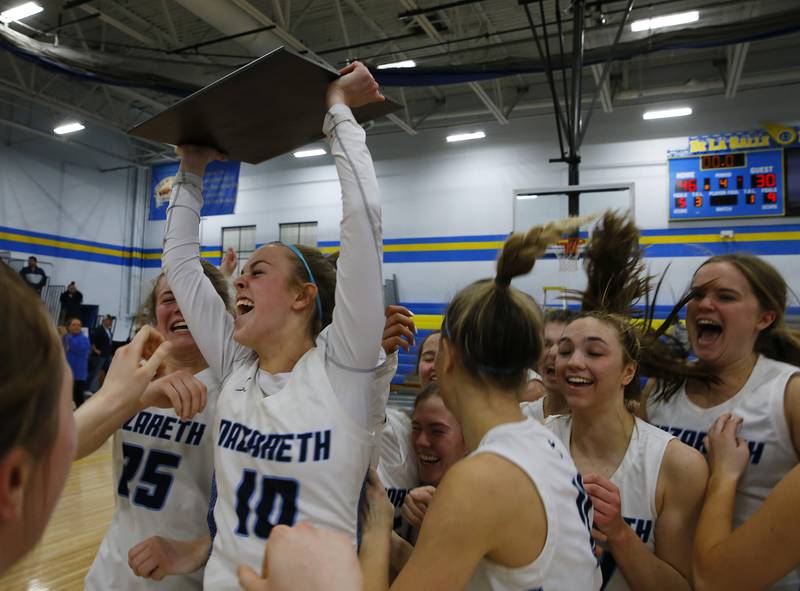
x=726 y=185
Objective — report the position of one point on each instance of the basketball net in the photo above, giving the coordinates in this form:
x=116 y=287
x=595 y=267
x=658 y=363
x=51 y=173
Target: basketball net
x=569 y=253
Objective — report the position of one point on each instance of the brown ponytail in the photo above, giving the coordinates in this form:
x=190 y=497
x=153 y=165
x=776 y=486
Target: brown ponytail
x=495 y=328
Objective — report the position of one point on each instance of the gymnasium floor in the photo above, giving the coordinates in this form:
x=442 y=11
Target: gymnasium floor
x=61 y=560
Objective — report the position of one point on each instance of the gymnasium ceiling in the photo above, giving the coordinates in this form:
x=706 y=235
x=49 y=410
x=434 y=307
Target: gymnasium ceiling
x=112 y=63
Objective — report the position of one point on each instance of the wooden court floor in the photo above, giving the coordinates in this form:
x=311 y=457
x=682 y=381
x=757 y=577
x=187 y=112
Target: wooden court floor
x=71 y=540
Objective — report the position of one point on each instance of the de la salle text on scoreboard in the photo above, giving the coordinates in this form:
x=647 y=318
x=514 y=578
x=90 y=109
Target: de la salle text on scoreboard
x=738 y=174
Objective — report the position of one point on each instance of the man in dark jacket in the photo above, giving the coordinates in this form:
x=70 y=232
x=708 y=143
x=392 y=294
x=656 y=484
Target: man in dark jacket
x=34 y=275
x=71 y=301
x=102 y=349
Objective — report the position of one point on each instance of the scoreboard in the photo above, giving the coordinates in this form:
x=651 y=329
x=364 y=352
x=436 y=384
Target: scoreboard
x=749 y=183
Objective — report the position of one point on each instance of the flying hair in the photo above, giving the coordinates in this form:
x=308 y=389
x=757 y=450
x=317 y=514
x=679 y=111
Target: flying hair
x=616 y=283
x=495 y=328
x=520 y=251
x=614 y=267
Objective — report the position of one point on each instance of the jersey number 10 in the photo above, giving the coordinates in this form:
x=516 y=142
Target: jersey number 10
x=276 y=503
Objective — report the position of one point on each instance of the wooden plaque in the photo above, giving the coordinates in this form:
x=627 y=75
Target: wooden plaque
x=273 y=105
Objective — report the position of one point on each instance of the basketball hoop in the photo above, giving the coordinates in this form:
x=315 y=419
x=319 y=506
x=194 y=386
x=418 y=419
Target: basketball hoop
x=569 y=252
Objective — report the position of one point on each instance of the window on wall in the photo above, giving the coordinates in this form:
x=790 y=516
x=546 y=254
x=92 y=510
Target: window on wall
x=299 y=233
x=242 y=239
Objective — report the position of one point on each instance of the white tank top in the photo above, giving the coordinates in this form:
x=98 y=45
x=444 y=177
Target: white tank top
x=162 y=480
x=397 y=467
x=637 y=478
x=293 y=456
x=567 y=561
x=764 y=427
x=534 y=410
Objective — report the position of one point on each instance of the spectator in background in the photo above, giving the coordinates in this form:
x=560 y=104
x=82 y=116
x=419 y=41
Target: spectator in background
x=77 y=348
x=102 y=350
x=71 y=301
x=34 y=275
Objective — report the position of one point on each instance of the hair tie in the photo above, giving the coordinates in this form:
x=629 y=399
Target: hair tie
x=300 y=256
x=502 y=281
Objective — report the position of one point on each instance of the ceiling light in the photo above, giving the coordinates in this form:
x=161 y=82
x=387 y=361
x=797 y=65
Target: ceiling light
x=403 y=64
x=667 y=113
x=524 y=197
x=310 y=153
x=668 y=20
x=20 y=12
x=68 y=128
x=463 y=137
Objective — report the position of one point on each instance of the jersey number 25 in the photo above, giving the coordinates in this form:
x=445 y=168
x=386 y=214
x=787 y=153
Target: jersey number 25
x=154 y=483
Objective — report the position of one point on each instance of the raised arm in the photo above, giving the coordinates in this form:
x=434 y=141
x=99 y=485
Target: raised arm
x=209 y=322
x=355 y=334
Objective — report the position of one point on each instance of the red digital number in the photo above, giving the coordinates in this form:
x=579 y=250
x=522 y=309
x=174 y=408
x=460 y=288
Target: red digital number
x=686 y=185
x=680 y=202
x=764 y=181
x=770 y=197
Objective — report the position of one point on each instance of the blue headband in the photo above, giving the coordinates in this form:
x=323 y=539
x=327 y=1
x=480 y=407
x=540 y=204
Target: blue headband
x=300 y=256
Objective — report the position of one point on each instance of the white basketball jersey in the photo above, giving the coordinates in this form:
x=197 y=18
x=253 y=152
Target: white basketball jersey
x=534 y=410
x=162 y=481
x=397 y=467
x=636 y=478
x=764 y=427
x=567 y=561
x=293 y=456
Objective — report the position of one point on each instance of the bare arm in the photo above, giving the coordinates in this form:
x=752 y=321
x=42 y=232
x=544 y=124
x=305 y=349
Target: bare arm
x=120 y=397
x=766 y=546
x=682 y=482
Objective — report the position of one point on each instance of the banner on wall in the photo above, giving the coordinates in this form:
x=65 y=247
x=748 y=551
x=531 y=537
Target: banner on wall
x=220 y=185
x=772 y=136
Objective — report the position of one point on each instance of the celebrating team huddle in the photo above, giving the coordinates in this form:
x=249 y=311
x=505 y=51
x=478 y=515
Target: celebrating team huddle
x=253 y=447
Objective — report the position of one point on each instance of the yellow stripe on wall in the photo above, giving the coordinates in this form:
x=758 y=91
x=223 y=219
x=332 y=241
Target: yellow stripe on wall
x=68 y=245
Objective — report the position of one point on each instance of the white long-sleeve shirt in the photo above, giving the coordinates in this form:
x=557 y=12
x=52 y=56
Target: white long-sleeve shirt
x=358 y=316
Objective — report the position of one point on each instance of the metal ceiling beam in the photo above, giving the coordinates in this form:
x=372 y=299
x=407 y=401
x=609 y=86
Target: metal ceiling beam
x=50 y=136
x=431 y=32
x=641 y=96
x=737 y=55
x=605 y=92
x=13 y=61
x=249 y=14
x=173 y=32
x=120 y=26
x=381 y=32
x=58 y=105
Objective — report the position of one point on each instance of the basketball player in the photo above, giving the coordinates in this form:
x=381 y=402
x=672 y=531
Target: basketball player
x=438 y=444
x=37 y=428
x=513 y=514
x=293 y=430
x=735 y=321
x=646 y=486
x=552 y=403
x=398 y=466
x=163 y=460
x=765 y=547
